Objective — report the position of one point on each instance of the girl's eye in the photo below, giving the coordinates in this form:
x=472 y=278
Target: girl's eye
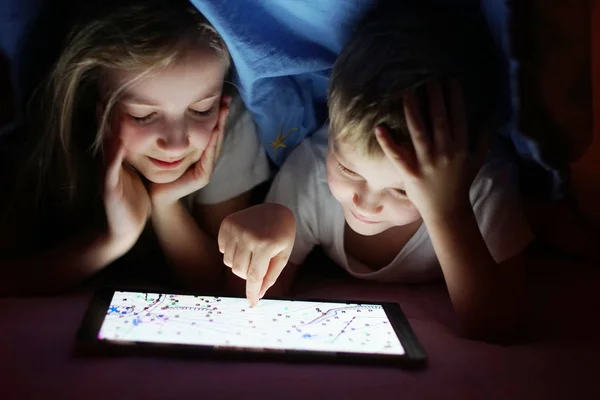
x=143 y=120
x=346 y=170
x=199 y=113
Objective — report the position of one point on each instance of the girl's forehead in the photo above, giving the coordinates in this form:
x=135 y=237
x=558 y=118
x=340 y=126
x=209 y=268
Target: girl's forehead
x=190 y=79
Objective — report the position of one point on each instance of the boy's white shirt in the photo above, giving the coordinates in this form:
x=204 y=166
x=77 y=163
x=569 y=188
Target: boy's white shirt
x=242 y=163
x=301 y=185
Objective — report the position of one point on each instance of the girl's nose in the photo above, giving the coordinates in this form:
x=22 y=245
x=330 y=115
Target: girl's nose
x=174 y=138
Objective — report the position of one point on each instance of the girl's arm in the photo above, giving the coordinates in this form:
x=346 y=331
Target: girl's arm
x=59 y=267
x=190 y=250
x=188 y=240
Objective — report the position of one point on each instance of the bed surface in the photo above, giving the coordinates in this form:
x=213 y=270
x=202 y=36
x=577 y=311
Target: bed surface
x=559 y=361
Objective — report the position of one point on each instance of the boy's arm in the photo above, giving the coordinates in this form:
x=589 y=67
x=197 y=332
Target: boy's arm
x=257 y=243
x=488 y=297
x=438 y=176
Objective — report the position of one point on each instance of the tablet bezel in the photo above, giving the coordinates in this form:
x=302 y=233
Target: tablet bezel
x=89 y=344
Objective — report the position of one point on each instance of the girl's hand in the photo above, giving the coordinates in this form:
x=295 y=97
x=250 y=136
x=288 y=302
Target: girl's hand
x=256 y=244
x=199 y=174
x=438 y=174
x=126 y=201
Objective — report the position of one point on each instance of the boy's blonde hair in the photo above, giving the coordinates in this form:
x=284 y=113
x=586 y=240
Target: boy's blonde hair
x=398 y=48
x=143 y=36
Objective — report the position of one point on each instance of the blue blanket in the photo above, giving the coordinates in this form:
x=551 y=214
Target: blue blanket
x=283 y=51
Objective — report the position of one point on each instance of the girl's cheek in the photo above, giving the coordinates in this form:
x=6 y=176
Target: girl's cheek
x=133 y=137
x=200 y=132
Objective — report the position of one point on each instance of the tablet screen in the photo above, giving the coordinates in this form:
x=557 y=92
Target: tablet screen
x=231 y=322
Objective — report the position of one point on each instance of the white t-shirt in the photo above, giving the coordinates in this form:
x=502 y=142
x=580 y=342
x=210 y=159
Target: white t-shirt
x=242 y=163
x=301 y=185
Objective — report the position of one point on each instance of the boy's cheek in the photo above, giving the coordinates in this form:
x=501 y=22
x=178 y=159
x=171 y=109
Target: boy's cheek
x=404 y=214
x=340 y=190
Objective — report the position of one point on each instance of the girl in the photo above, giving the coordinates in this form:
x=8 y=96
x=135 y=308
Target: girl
x=132 y=127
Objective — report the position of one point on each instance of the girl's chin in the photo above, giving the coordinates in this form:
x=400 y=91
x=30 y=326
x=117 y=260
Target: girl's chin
x=163 y=178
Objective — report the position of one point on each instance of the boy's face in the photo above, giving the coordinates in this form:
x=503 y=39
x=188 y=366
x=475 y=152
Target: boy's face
x=165 y=119
x=370 y=190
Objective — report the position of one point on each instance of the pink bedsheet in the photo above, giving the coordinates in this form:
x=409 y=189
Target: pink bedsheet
x=37 y=335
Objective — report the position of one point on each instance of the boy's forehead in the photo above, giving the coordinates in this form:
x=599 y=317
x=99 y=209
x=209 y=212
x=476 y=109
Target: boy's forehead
x=341 y=150
x=377 y=170
x=349 y=154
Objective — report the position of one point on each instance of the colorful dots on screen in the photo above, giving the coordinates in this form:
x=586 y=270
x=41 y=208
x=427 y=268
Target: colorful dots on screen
x=193 y=318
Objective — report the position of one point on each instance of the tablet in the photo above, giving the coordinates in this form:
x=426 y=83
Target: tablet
x=136 y=322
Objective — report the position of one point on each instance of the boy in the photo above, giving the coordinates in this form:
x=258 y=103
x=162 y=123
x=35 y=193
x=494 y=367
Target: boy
x=390 y=189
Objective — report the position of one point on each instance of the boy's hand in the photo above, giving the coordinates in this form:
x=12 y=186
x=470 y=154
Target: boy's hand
x=126 y=201
x=199 y=174
x=438 y=174
x=256 y=244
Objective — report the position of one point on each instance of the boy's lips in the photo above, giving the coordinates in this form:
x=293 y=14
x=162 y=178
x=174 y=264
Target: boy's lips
x=166 y=164
x=363 y=219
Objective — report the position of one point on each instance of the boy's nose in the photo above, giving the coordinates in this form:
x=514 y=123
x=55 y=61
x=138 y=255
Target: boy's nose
x=366 y=204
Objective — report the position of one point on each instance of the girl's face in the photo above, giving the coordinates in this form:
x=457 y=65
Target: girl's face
x=165 y=119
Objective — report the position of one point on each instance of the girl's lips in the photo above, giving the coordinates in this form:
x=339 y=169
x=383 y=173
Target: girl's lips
x=165 y=164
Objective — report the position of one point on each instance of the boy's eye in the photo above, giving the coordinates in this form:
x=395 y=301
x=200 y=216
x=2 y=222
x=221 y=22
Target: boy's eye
x=199 y=113
x=346 y=170
x=399 y=192
x=143 y=120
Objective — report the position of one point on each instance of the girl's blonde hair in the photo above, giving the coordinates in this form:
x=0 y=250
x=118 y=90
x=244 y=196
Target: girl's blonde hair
x=142 y=36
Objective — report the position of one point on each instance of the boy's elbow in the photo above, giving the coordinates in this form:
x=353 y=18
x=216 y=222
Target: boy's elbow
x=503 y=326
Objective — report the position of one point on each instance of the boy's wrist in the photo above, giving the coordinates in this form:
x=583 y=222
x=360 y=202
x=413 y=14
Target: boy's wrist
x=448 y=213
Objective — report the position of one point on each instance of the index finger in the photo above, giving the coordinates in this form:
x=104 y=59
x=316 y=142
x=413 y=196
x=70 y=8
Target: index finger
x=259 y=264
